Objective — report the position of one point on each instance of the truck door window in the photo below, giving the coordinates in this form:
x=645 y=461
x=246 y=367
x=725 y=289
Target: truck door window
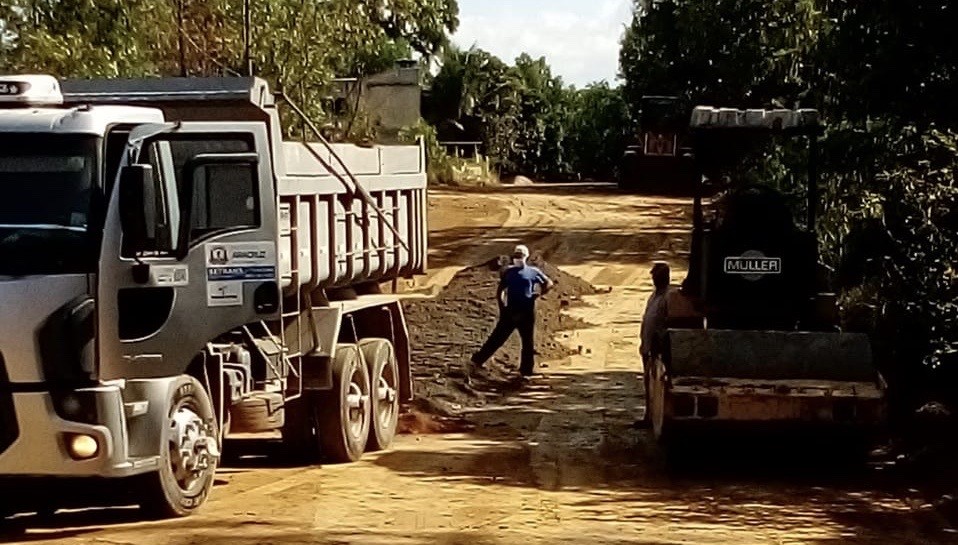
x=225 y=197
x=47 y=183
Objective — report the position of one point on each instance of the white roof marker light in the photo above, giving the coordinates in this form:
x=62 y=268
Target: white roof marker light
x=29 y=90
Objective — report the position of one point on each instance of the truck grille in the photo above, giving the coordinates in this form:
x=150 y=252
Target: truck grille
x=8 y=417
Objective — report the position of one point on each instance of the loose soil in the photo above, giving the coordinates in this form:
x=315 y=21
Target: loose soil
x=446 y=330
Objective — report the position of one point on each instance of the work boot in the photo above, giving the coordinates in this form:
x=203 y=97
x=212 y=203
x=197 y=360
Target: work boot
x=473 y=367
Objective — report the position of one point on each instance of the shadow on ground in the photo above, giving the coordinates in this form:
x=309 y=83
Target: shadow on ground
x=573 y=433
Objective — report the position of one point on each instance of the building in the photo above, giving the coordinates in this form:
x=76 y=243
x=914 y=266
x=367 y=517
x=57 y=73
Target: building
x=382 y=104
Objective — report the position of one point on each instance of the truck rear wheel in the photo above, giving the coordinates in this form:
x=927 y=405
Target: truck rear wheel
x=189 y=453
x=380 y=358
x=344 y=413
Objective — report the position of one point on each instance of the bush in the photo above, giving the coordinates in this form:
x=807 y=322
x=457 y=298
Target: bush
x=891 y=230
x=439 y=165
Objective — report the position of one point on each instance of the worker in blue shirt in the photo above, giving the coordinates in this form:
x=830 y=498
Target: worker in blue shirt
x=516 y=296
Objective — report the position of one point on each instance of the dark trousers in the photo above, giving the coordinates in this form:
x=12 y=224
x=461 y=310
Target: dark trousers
x=647 y=363
x=511 y=319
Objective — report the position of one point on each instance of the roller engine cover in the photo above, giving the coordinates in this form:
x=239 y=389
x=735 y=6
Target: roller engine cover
x=759 y=267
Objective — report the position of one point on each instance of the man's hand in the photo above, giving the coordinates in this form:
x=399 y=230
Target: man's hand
x=547 y=286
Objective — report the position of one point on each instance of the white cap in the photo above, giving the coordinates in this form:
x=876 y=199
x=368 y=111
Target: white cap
x=521 y=249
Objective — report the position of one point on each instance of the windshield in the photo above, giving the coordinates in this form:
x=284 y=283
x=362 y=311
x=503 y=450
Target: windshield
x=46 y=188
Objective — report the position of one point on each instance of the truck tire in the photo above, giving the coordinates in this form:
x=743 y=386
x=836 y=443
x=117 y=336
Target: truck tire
x=187 y=459
x=344 y=412
x=301 y=431
x=380 y=358
x=261 y=412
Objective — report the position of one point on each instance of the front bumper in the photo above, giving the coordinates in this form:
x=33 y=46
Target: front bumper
x=40 y=446
x=798 y=403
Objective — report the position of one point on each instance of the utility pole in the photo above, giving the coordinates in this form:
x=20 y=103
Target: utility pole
x=180 y=37
x=247 y=31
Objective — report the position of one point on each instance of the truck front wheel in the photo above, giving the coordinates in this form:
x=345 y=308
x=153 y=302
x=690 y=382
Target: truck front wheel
x=189 y=453
x=345 y=411
x=380 y=358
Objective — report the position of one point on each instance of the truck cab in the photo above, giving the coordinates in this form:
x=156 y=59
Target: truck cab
x=57 y=167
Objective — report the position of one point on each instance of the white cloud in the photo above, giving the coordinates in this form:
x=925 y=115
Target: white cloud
x=580 y=39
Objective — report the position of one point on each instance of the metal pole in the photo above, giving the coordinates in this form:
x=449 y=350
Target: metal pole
x=247 y=30
x=812 y=181
x=180 y=37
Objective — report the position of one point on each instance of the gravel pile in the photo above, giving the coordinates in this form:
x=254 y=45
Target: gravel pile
x=445 y=331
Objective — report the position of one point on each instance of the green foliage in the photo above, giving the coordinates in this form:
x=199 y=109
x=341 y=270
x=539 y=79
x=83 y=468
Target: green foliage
x=599 y=131
x=896 y=245
x=439 y=166
x=528 y=120
x=297 y=45
x=883 y=73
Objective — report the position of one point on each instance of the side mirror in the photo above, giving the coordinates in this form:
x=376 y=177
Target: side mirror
x=135 y=181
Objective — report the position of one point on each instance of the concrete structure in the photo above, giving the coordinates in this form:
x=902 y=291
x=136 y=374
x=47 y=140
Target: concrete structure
x=388 y=102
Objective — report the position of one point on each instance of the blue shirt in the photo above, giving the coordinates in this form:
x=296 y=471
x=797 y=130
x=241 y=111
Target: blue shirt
x=520 y=283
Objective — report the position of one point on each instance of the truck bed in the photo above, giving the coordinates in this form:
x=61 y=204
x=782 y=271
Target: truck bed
x=340 y=239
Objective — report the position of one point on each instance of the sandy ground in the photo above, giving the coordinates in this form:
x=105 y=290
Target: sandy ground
x=555 y=462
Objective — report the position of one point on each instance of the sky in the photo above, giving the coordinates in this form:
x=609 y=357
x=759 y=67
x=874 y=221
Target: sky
x=579 y=38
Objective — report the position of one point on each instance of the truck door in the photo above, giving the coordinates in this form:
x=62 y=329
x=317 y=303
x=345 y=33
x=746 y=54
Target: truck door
x=189 y=246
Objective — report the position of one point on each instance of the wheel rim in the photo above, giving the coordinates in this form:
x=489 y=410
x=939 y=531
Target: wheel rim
x=386 y=396
x=357 y=405
x=193 y=449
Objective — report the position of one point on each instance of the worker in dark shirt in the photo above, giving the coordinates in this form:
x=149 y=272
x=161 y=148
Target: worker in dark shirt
x=654 y=327
x=516 y=296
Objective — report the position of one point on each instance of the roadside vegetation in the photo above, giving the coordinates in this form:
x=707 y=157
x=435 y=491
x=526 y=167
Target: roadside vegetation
x=883 y=73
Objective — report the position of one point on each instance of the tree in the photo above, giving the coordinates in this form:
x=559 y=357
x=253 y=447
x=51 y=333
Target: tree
x=528 y=120
x=298 y=45
x=599 y=130
x=735 y=52
x=475 y=90
x=882 y=72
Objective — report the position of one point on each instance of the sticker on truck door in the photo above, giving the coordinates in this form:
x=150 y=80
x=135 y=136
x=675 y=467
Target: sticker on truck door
x=231 y=265
x=224 y=294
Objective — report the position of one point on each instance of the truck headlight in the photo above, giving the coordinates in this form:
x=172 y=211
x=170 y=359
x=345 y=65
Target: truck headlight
x=82 y=446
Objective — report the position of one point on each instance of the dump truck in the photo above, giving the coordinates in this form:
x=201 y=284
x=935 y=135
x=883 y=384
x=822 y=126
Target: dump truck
x=753 y=340
x=175 y=273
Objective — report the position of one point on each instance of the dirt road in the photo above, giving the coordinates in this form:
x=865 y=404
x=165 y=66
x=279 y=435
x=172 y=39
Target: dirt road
x=555 y=462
